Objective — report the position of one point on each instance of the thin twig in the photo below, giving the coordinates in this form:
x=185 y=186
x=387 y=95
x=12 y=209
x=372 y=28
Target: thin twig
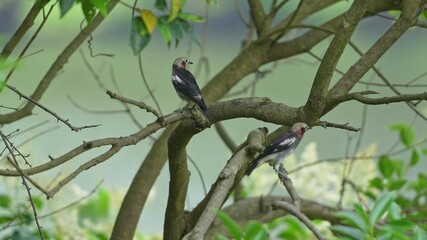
x=65 y=121
x=141 y=70
x=141 y=105
x=24 y=182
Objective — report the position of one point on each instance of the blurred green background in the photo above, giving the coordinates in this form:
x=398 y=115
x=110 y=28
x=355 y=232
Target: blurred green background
x=289 y=83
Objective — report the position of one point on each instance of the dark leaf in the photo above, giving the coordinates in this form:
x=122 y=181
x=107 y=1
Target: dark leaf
x=89 y=10
x=386 y=166
x=65 y=6
x=190 y=31
x=160 y=4
x=139 y=36
x=415 y=158
x=101 y=5
x=5 y=200
x=396 y=184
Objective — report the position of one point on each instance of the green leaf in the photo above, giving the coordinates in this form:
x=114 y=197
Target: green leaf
x=101 y=5
x=377 y=182
x=402 y=224
x=160 y=4
x=89 y=10
x=407 y=134
x=381 y=205
x=386 y=166
x=164 y=30
x=255 y=230
x=97 y=208
x=233 y=228
x=419 y=234
x=424 y=151
x=347 y=231
x=191 y=17
x=396 y=184
x=139 y=36
x=5 y=201
x=65 y=6
x=394 y=211
x=221 y=237
x=354 y=219
x=190 y=31
x=415 y=158
x=176 y=30
x=6 y=218
x=399 y=167
x=38 y=202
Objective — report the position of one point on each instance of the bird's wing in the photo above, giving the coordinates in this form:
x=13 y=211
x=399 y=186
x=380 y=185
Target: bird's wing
x=186 y=83
x=280 y=144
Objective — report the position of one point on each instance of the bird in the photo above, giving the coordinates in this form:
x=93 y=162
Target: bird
x=280 y=148
x=186 y=86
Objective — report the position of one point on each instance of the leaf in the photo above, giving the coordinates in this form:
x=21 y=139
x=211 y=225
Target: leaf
x=407 y=134
x=96 y=208
x=377 y=182
x=424 y=151
x=255 y=230
x=5 y=201
x=415 y=158
x=347 y=232
x=65 y=6
x=233 y=228
x=396 y=184
x=394 y=211
x=149 y=19
x=190 y=31
x=164 y=30
x=354 y=219
x=139 y=36
x=101 y=5
x=6 y=218
x=221 y=237
x=381 y=205
x=191 y=17
x=420 y=234
x=386 y=166
x=175 y=7
x=160 y=4
x=89 y=10
x=38 y=202
x=176 y=30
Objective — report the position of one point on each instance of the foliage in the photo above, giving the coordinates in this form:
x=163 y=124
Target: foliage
x=172 y=24
x=398 y=202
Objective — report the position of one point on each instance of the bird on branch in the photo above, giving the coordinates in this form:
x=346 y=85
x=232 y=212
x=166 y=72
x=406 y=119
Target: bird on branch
x=186 y=86
x=280 y=148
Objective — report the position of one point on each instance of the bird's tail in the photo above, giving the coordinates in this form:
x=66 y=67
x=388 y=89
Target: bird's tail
x=251 y=167
x=204 y=109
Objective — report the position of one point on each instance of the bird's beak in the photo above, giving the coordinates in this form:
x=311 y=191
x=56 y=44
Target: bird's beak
x=189 y=62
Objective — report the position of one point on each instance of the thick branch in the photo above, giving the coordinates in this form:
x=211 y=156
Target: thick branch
x=259 y=17
x=26 y=24
x=319 y=90
x=355 y=73
x=222 y=187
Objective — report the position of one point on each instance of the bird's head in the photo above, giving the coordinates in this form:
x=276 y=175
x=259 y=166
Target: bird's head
x=300 y=128
x=182 y=62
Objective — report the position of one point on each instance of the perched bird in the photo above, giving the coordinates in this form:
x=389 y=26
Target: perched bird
x=186 y=86
x=280 y=148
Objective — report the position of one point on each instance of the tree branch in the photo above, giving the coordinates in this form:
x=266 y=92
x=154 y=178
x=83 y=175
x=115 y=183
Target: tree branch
x=319 y=90
x=377 y=101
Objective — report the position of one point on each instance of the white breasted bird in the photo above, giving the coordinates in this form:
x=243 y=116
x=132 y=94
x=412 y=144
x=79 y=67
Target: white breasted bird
x=186 y=86
x=280 y=148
